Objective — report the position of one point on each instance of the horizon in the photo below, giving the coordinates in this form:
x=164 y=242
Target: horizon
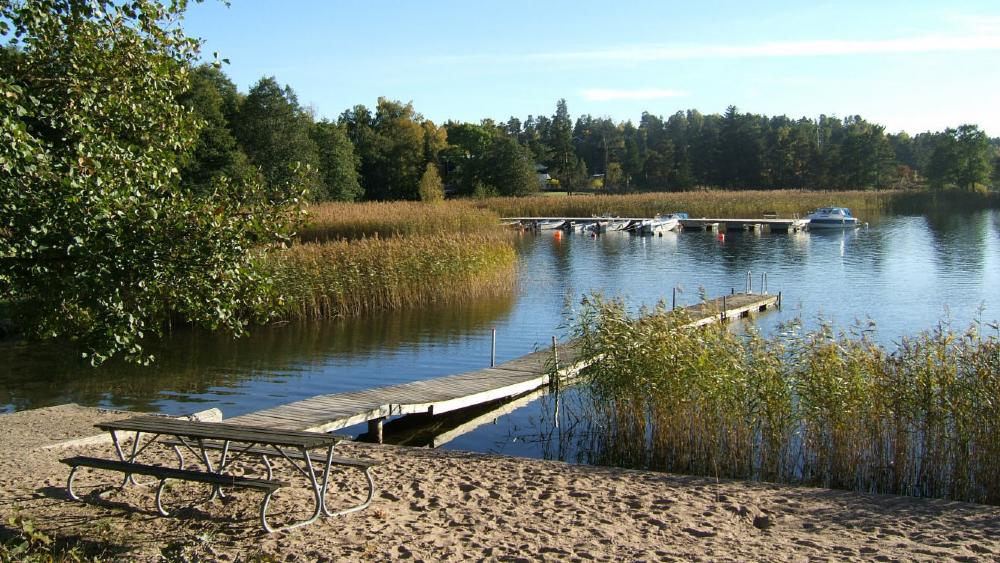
x=910 y=66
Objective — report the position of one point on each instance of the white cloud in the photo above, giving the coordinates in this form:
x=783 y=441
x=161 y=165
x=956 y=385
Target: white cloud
x=987 y=38
x=811 y=48
x=604 y=94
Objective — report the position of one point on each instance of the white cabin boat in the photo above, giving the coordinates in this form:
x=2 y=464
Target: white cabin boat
x=832 y=218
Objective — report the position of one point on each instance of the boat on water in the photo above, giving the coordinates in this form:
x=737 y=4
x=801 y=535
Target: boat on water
x=598 y=226
x=662 y=223
x=550 y=225
x=832 y=218
x=619 y=224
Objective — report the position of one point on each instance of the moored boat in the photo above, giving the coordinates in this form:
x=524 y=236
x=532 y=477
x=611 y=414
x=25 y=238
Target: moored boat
x=832 y=218
x=550 y=225
x=662 y=223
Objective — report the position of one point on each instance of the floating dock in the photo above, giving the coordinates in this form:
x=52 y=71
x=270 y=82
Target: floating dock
x=522 y=375
x=770 y=224
x=758 y=225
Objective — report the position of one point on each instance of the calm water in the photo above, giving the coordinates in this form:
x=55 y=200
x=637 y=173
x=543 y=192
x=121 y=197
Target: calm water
x=906 y=273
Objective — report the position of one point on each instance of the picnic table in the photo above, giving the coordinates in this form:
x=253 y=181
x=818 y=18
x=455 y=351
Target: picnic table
x=231 y=442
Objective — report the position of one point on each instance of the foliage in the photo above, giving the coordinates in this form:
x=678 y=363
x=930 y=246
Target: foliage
x=338 y=165
x=431 y=188
x=817 y=408
x=212 y=97
x=347 y=278
x=101 y=244
x=29 y=545
x=274 y=130
x=961 y=158
x=391 y=146
x=332 y=221
x=506 y=168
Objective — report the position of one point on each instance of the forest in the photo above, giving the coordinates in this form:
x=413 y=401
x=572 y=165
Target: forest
x=391 y=152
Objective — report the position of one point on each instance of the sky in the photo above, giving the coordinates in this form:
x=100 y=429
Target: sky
x=910 y=65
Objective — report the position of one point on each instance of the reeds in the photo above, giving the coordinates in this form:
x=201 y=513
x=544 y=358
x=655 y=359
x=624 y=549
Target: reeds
x=332 y=221
x=731 y=204
x=821 y=408
x=348 y=278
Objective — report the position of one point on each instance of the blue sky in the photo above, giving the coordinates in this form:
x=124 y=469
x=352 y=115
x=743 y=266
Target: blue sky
x=910 y=65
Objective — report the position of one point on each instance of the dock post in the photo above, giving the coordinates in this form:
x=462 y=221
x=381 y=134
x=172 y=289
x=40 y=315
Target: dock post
x=493 y=349
x=763 y=283
x=779 y=300
x=723 y=314
x=673 y=303
x=749 y=282
x=554 y=382
x=375 y=429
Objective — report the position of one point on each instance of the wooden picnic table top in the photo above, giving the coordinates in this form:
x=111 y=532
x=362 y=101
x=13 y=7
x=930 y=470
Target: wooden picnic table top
x=222 y=431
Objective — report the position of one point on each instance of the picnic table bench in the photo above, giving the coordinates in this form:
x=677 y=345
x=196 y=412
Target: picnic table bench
x=234 y=442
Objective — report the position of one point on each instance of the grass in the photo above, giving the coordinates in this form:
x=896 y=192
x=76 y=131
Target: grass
x=732 y=204
x=354 y=259
x=333 y=221
x=349 y=278
x=819 y=408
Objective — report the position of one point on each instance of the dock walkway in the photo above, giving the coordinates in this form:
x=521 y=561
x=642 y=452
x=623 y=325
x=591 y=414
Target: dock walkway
x=772 y=224
x=324 y=413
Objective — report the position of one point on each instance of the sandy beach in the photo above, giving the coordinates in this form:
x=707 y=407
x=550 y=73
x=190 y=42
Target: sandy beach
x=454 y=506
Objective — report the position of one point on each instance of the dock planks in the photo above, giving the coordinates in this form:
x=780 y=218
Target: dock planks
x=325 y=413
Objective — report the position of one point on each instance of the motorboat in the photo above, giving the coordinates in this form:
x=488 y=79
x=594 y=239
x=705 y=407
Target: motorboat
x=619 y=224
x=550 y=225
x=598 y=226
x=662 y=223
x=832 y=218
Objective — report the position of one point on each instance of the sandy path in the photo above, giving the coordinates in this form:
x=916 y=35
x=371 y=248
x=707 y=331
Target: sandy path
x=453 y=506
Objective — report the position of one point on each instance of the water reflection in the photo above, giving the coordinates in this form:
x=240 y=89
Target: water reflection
x=904 y=272
x=195 y=367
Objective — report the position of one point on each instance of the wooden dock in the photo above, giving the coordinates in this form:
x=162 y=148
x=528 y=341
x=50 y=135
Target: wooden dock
x=770 y=224
x=324 y=413
x=758 y=225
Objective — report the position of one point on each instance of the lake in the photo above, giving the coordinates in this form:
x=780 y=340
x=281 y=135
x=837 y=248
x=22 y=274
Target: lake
x=904 y=273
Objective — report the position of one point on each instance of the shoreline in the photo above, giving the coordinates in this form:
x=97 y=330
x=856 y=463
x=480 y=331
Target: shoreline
x=452 y=506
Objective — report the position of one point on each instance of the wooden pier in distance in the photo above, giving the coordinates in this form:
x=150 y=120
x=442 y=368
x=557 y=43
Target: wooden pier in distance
x=325 y=413
x=768 y=224
x=759 y=225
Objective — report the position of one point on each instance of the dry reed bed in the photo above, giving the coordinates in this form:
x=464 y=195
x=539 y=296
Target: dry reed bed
x=738 y=204
x=817 y=408
x=332 y=221
x=346 y=278
x=723 y=204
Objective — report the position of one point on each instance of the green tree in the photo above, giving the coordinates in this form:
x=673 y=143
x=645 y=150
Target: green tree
x=974 y=156
x=562 y=159
x=961 y=158
x=507 y=168
x=431 y=187
x=392 y=146
x=213 y=99
x=273 y=131
x=101 y=243
x=338 y=165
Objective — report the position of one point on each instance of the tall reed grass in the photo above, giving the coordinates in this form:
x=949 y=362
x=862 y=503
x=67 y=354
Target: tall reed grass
x=333 y=221
x=823 y=408
x=733 y=204
x=347 y=278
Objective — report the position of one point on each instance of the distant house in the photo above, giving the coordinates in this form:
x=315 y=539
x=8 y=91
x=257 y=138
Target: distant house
x=545 y=181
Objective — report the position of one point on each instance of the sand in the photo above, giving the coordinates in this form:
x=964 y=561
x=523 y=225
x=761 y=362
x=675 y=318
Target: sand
x=454 y=506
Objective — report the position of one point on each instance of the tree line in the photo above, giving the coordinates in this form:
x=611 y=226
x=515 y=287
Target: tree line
x=392 y=152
